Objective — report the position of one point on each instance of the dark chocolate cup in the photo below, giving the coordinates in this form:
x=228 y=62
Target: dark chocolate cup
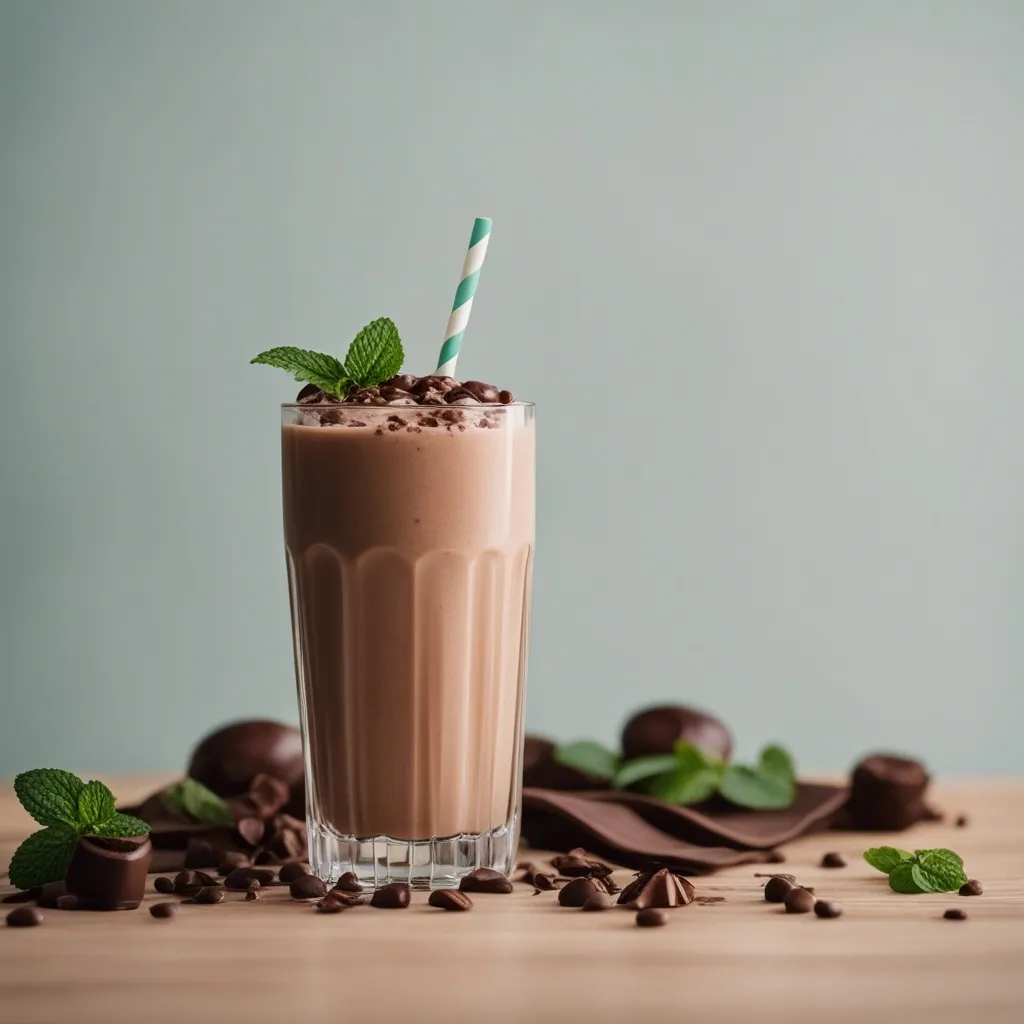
x=108 y=873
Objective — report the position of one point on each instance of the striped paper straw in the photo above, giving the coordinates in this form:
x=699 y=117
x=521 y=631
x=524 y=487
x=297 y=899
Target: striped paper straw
x=464 y=297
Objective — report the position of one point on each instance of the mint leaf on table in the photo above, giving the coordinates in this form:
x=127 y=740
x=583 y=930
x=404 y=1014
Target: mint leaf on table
x=49 y=795
x=885 y=858
x=95 y=804
x=644 y=768
x=43 y=857
x=686 y=787
x=588 y=756
x=120 y=825
x=901 y=878
x=199 y=803
x=375 y=354
x=317 y=368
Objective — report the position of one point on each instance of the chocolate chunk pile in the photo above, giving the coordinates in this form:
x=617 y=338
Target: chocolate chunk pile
x=407 y=389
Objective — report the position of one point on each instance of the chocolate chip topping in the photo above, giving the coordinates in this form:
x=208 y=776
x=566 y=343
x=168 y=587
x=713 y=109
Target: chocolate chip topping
x=404 y=389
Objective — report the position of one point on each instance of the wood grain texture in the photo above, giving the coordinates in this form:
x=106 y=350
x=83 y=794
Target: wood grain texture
x=521 y=957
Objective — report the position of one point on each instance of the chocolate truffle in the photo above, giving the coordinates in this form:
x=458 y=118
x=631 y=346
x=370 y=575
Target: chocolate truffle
x=108 y=873
x=887 y=794
x=657 y=730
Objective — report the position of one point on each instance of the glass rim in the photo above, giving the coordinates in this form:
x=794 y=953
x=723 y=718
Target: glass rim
x=408 y=408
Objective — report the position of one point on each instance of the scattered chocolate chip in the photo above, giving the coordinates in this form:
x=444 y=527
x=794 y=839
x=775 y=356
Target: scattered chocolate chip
x=778 y=888
x=505 y=397
x=251 y=830
x=828 y=908
x=578 y=891
x=651 y=917
x=240 y=878
x=962 y=821
x=450 y=899
x=19 y=897
x=598 y=901
x=164 y=885
x=67 y=902
x=949 y=915
x=190 y=891
x=578 y=863
x=348 y=883
x=47 y=894
x=395 y=896
x=24 y=917
x=544 y=882
x=164 y=911
x=776 y=857
x=799 y=901
x=183 y=879
x=833 y=860
x=211 y=894
x=200 y=853
x=230 y=860
x=252 y=894
x=662 y=888
x=972 y=887
x=206 y=879
x=290 y=872
x=482 y=392
x=308 y=887
x=330 y=904
x=485 y=880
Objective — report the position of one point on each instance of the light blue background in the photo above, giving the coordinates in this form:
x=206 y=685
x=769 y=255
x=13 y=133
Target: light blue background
x=760 y=265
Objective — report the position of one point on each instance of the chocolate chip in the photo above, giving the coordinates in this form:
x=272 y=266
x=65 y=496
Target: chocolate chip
x=239 y=879
x=252 y=894
x=505 y=397
x=828 y=908
x=544 y=882
x=184 y=879
x=578 y=891
x=164 y=911
x=949 y=915
x=481 y=391
x=833 y=860
x=778 y=888
x=395 y=896
x=24 y=917
x=799 y=901
x=67 y=902
x=206 y=879
x=190 y=891
x=450 y=899
x=348 y=883
x=308 y=887
x=651 y=917
x=576 y=863
x=662 y=888
x=972 y=887
x=962 y=821
x=598 y=901
x=47 y=894
x=164 y=885
x=776 y=857
x=200 y=854
x=211 y=894
x=402 y=381
x=19 y=897
x=269 y=794
x=290 y=872
x=330 y=904
x=230 y=860
x=251 y=830
x=485 y=880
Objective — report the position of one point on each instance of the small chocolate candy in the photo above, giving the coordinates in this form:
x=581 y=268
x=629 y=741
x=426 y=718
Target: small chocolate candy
x=962 y=821
x=239 y=879
x=544 y=881
x=778 y=888
x=108 y=873
x=348 y=883
x=203 y=878
x=164 y=885
x=308 y=887
x=578 y=891
x=211 y=894
x=661 y=888
x=657 y=730
x=251 y=895
x=482 y=392
x=395 y=896
x=485 y=880
x=24 y=917
x=799 y=901
x=505 y=397
x=47 y=894
x=651 y=917
x=597 y=901
x=163 y=911
x=951 y=915
x=972 y=887
x=289 y=872
x=828 y=908
x=578 y=863
x=887 y=794
x=403 y=381
x=833 y=860
x=67 y=902
x=331 y=904
x=184 y=880
x=450 y=899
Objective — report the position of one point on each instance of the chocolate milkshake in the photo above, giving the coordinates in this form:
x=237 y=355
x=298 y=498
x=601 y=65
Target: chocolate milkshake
x=409 y=528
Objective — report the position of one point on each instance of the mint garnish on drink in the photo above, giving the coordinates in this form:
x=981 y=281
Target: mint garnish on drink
x=68 y=808
x=938 y=870
x=375 y=355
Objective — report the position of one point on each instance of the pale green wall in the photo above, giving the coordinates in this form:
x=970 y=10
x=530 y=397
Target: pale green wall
x=760 y=264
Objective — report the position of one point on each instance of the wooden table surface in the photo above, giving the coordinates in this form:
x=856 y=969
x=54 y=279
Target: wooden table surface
x=524 y=958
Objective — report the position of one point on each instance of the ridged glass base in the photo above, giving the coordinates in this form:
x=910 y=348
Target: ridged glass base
x=436 y=863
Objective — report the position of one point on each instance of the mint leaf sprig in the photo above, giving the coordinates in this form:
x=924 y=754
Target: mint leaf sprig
x=68 y=808
x=938 y=870
x=689 y=775
x=375 y=355
x=194 y=800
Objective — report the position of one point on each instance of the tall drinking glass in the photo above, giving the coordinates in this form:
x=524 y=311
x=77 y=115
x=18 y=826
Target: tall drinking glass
x=409 y=539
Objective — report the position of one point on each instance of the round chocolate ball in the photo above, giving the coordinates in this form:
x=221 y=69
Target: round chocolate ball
x=657 y=730
x=229 y=759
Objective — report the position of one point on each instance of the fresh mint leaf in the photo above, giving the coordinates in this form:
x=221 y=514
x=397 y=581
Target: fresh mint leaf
x=317 y=368
x=686 y=787
x=44 y=856
x=776 y=760
x=885 y=858
x=644 y=768
x=751 y=787
x=95 y=804
x=939 y=870
x=375 y=353
x=50 y=795
x=690 y=757
x=901 y=878
x=948 y=856
x=588 y=756
x=121 y=825
x=199 y=803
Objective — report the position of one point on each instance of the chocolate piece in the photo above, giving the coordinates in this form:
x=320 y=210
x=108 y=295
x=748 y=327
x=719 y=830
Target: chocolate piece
x=211 y=894
x=651 y=917
x=228 y=760
x=201 y=853
x=107 y=873
x=266 y=857
x=164 y=885
x=269 y=794
x=657 y=730
x=163 y=911
x=544 y=882
x=240 y=878
x=578 y=891
x=190 y=891
x=47 y=894
x=450 y=899
x=206 y=879
x=529 y=871
x=403 y=381
x=776 y=857
x=330 y=904
x=348 y=882
x=251 y=895
x=578 y=864
x=598 y=901
x=290 y=872
x=67 y=902
x=24 y=917
x=887 y=794
x=540 y=769
x=26 y=896
x=250 y=830
x=949 y=915
x=482 y=392
x=799 y=901
x=778 y=888
x=395 y=896
x=231 y=860
x=833 y=860
x=308 y=887
x=972 y=887
x=485 y=880
x=287 y=844
x=183 y=880
x=308 y=392
x=828 y=908
x=505 y=397
x=961 y=821
x=660 y=888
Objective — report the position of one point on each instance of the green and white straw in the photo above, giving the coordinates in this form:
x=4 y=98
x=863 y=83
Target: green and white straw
x=464 y=297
